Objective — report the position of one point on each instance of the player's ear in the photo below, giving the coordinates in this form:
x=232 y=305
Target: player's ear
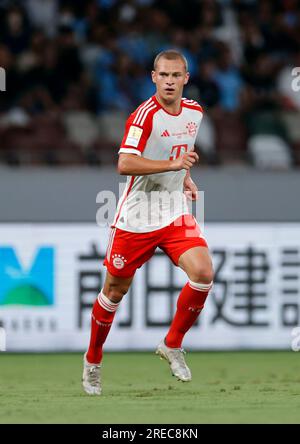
x=187 y=76
x=153 y=75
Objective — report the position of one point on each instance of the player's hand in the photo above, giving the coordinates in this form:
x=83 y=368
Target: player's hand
x=185 y=162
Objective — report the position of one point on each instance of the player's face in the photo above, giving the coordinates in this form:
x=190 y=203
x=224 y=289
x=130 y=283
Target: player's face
x=170 y=77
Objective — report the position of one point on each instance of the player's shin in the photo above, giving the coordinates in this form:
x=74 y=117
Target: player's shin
x=189 y=305
x=103 y=314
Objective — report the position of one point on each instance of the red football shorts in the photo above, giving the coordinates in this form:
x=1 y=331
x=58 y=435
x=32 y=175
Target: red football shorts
x=127 y=251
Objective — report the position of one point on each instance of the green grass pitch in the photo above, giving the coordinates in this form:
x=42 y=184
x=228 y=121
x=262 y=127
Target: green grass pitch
x=227 y=387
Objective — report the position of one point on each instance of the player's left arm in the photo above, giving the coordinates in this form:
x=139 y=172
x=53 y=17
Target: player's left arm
x=189 y=187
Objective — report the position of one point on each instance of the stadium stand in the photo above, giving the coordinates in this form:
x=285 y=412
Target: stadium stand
x=75 y=70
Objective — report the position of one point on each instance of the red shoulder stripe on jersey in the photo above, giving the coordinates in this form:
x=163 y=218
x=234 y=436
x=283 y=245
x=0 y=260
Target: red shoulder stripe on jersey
x=139 y=107
x=143 y=118
x=145 y=123
x=196 y=107
x=137 y=110
x=141 y=110
x=190 y=103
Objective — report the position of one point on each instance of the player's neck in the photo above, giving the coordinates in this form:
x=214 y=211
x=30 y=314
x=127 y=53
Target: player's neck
x=172 y=108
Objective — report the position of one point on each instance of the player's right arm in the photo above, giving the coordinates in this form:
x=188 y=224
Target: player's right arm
x=137 y=132
x=134 y=165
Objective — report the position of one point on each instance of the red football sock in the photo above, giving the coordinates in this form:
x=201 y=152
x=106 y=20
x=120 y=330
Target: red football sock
x=102 y=317
x=189 y=305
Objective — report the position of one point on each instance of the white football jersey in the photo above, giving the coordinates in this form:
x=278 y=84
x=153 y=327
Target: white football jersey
x=154 y=201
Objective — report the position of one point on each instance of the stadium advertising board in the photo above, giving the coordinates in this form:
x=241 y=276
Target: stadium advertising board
x=50 y=275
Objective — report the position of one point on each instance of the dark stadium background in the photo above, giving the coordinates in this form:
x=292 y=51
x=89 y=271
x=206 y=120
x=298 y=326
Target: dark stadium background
x=74 y=71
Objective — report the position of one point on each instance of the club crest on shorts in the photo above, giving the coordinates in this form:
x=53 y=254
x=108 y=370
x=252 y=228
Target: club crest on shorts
x=118 y=261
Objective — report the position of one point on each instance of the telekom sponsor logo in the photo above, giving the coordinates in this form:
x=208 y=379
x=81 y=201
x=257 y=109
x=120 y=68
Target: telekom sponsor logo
x=178 y=150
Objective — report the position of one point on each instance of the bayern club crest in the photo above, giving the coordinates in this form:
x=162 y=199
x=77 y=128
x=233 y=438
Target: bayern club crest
x=119 y=261
x=192 y=128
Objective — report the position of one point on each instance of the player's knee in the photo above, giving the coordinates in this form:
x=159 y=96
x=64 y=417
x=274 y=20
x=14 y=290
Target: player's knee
x=202 y=275
x=115 y=293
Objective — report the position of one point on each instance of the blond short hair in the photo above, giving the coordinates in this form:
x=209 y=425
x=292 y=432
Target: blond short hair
x=170 y=54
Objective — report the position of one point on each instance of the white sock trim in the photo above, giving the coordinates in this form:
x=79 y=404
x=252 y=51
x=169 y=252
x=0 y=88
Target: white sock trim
x=200 y=287
x=106 y=303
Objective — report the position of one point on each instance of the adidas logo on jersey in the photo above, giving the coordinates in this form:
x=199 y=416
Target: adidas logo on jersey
x=165 y=134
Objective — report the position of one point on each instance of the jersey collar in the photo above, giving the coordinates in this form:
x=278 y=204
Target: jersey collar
x=168 y=112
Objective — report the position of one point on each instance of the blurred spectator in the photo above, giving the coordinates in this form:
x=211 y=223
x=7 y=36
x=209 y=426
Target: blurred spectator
x=134 y=45
x=208 y=92
x=16 y=30
x=43 y=14
x=73 y=66
x=157 y=25
x=228 y=80
x=116 y=89
x=32 y=56
x=13 y=79
x=259 y=76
